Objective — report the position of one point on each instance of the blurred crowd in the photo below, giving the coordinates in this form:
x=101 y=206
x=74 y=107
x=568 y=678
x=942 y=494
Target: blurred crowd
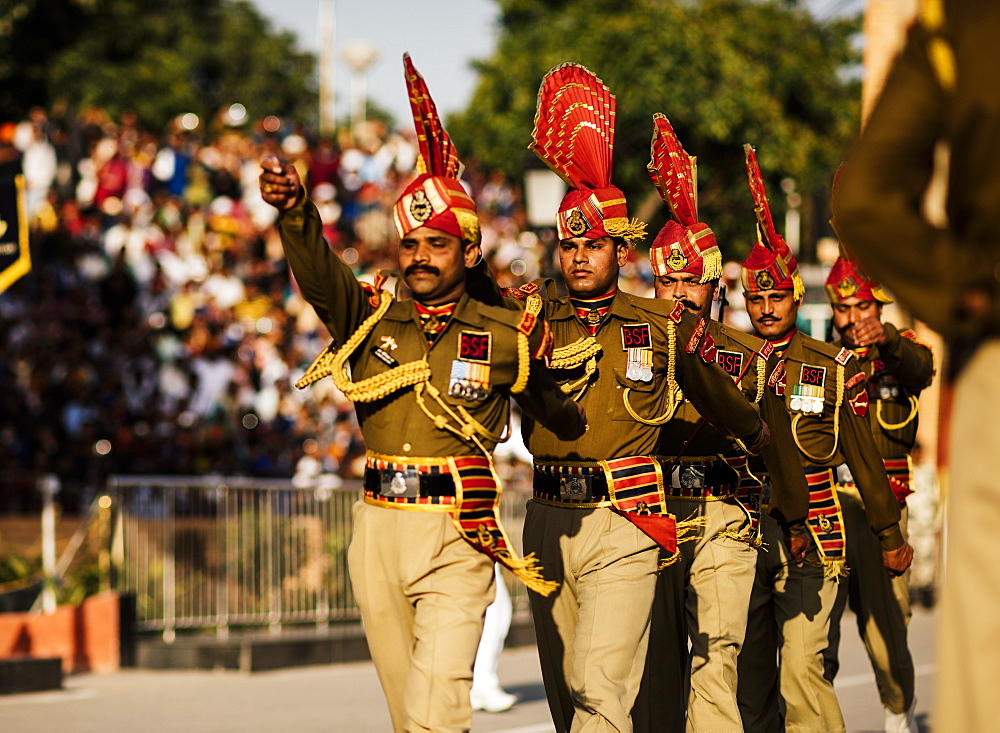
x=159 y=331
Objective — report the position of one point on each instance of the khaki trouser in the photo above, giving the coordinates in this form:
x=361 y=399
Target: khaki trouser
x=790 y=611
x=593 y=631
x=965 y=695
x=881 y=605
x=701 y=598
x=423 y=592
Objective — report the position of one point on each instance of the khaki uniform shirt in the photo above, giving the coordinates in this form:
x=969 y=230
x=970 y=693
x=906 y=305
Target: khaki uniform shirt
x=824 y=390
x=611 y=393
x=897 y=372
x=476 y=334
x=739 y=355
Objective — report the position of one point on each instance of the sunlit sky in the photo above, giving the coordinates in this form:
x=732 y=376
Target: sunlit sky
x=442 y=37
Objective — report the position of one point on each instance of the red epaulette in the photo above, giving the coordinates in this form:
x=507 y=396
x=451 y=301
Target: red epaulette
x=911 y=335
x=699 y=331
x=843 y=357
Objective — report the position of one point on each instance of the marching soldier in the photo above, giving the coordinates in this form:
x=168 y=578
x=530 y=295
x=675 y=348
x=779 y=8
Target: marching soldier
x=431 y=379
x=897 y=367
x=824 y=390
x=701 y=597
x=599 y=519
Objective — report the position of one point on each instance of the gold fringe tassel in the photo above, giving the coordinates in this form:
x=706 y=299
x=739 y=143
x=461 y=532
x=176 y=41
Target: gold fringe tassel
x=835 y=569
x=529 y=572
x=754 y=540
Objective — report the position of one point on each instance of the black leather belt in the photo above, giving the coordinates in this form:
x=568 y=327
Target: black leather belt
x=571 y=487
x=394 y=484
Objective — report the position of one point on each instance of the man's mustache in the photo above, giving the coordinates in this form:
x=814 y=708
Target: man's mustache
x=429 y=269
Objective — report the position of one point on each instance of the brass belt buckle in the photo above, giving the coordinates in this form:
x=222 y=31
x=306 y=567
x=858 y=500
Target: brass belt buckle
x=400 y=484
x=576 y=488
x=688 y=477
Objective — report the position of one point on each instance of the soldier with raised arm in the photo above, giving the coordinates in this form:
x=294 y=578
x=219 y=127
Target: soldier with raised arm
x=897 y=366
x=431 y=379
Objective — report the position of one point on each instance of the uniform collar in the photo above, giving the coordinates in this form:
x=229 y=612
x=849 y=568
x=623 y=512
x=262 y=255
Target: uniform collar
x=621 y=307
x=465 y=311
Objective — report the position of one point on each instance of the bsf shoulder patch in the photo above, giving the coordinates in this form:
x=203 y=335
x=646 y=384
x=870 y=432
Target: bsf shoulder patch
x=855 y=381
x=677 y=313
x=636 y=336
x=699 y=331
x=859 y=403
x=731 y=363
x=475 y=346
x=514 y=293
x=843 y=357
x=766 y=350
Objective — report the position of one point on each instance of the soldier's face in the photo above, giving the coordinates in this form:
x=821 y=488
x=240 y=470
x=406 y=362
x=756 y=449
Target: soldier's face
x=683 y=286
x=851 y=311
x=433 y=264
x=772 y=312
x=590 y=266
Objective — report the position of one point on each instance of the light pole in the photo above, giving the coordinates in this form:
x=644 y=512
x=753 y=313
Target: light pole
x=359 y=55
x=327 y=67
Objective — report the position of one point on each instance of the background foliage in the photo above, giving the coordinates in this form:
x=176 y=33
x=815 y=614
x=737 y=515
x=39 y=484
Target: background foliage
x=159 y=59
x=724 y=72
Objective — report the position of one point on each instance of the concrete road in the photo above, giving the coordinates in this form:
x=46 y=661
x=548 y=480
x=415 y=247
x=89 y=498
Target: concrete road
x=347 y=697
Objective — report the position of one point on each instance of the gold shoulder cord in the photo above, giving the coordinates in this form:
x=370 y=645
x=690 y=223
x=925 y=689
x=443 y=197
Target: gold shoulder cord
x=761 y=377
x=914 y=407
x=674 y=394
x=939 y=51
x=836 y=422
x=534 y=307
x=582 y=351
x=415 y=374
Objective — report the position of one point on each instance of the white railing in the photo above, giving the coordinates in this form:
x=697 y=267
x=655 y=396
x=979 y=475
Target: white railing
x=229 y=552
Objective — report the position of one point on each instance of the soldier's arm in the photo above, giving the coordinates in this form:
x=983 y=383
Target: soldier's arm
x=481 y=285
x=542 y=400
x=912 y=364
x=326 y=283
x=863 y=458
x=789 y=503
x=711 y=390
x=879 y=201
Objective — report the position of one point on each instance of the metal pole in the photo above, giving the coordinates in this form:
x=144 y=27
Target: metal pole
x=104 y=533
x=48 y=485
x=327 y=67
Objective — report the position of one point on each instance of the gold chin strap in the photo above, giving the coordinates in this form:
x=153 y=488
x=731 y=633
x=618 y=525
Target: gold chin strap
x=582 y=351
x=836 y=423
x=674 y=394
x=914 y=407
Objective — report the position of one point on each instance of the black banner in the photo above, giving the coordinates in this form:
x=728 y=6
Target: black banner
x=15 y=258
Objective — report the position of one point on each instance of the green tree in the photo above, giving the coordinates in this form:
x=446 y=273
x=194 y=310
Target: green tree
x=158 y=59
x=724 y=72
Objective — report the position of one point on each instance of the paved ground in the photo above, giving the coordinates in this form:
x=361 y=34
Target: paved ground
x=347 y=698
